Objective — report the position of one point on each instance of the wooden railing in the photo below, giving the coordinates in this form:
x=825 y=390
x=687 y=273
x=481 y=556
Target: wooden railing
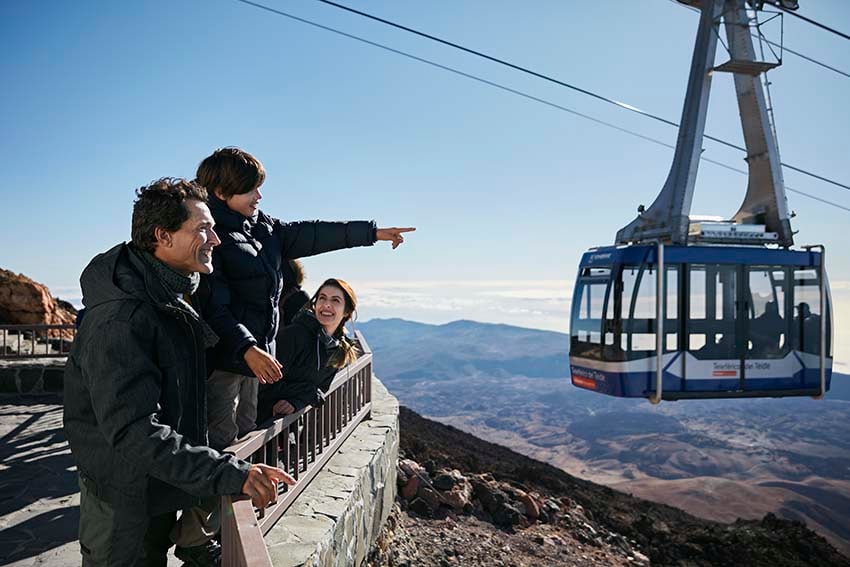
x=301 y=444
x=36 y=341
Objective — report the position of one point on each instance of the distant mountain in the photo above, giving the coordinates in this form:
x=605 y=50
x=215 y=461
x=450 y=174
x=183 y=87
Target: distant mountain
x=466 y=345
x=719 y=459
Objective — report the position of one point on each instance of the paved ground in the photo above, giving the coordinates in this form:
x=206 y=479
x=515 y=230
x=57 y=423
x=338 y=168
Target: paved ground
x=39 y=498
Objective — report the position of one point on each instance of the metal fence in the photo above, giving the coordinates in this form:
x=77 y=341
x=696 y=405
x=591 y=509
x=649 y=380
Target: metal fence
x=301 y=444
x=36 y=341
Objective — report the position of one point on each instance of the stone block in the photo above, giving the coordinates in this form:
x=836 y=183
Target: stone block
x=352 y=458
x=53 y=379
x=8 y=380
x=30 y=380
x=334 y=485
x=292 y=555
x=342 y=470
x=333 y=508
x=298 y=529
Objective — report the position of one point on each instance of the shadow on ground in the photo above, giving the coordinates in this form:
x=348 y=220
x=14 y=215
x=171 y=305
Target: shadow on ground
x=39 y=508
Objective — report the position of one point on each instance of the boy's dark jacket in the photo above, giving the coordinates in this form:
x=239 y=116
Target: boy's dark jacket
x=135 y=411
x=306 y=375
x=252 y=269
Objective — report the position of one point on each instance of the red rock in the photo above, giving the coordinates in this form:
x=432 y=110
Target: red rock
x=27 y=302
x=429 y=496
x=532 y=508
x=459 y=496
x=410 y=489
x=410 y=468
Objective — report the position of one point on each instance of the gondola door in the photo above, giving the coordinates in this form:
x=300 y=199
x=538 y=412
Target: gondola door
x=716 y=322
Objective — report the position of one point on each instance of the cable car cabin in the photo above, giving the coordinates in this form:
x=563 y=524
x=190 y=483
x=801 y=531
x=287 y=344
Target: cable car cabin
x=725 y=322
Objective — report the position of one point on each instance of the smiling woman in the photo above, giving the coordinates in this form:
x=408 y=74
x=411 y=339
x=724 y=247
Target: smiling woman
x=311 y=350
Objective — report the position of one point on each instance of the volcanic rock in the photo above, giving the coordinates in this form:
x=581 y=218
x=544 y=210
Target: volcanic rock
x=578 y=523
x=27 y=302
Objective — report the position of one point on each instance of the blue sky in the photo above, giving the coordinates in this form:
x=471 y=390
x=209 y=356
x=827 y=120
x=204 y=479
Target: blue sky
x=99 y=98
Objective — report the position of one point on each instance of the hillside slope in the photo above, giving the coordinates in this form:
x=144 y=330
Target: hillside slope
x=664 y=535
x=716 y=459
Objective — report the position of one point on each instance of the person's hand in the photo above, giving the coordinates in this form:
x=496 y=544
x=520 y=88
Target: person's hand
x=394 y=234
x=261 y=484
x=282 y=407
x=264 y=366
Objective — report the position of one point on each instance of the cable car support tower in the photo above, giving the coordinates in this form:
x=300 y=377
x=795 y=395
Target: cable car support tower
x=763 y=216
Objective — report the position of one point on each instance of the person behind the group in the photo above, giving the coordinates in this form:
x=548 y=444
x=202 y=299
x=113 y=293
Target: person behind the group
x=293 y=300
x=134 y=383
x=311 y=350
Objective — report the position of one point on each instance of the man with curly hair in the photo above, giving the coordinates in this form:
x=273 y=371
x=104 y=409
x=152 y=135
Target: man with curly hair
x=135 y=413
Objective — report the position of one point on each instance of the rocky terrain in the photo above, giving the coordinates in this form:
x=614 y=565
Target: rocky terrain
x=27 y=302
x=464 y=501
x=717 y=459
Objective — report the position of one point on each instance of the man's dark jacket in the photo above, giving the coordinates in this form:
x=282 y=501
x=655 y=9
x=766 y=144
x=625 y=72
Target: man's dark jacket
x=304 y=356
x=135 y=398
x=251 y=269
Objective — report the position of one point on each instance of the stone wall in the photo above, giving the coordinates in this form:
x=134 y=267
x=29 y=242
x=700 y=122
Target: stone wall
x=337 y=518
x=32 y=376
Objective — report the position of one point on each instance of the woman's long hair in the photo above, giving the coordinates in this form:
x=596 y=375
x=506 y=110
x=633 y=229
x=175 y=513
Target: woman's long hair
x=347 y=352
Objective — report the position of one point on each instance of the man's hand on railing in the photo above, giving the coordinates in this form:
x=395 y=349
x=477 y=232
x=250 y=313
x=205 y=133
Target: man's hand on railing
x=261 y=484
x=282 y=407
x=264 y=366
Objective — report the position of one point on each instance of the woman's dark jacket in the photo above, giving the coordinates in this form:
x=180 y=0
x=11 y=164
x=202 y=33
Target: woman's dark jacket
x=304 y=356
x=252 y=269
x=135 y=410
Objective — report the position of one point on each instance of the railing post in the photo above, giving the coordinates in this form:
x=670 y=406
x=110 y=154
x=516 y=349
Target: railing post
x=367 y=375
x=241 y=538
x=294 y=435
x=367 y=379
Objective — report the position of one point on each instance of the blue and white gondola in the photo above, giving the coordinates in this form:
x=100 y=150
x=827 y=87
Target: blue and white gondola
x=725 y=321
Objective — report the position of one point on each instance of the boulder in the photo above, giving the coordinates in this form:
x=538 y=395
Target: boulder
x=410 y=488
x=496 y=502
x=532 y=508
x=551 y=506
x=27 y=302
x=430 y=496
x=458 y=498
x=410 y=467
x=445 y=479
